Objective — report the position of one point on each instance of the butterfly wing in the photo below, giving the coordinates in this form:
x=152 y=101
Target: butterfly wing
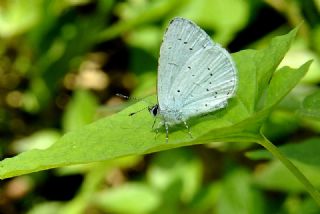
x=195 y=75
x=181 y=40
x=205 y=82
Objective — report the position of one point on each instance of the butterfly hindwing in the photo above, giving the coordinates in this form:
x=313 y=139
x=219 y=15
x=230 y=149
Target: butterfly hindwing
x=204 y=83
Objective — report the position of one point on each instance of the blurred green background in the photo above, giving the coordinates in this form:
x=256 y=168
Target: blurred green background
x=63 y=61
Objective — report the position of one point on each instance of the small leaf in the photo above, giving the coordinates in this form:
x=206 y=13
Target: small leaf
x=311 y=106
x=270 y=58
x=275 y=176
x=257 y=67
x=80 y=110
x=127 y=199
x=184 y=168
x=283 y=81
x=306 y=152
x=10 y=23
x=238 y=195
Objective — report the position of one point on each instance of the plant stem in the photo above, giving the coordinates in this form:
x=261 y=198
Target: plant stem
x=295 y=171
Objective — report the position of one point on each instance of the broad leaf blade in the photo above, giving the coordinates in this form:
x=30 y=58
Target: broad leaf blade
x=111 y=137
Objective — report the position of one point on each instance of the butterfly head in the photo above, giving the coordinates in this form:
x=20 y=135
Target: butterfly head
x=154 y=110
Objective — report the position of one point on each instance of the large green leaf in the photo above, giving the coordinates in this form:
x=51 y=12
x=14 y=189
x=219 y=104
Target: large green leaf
x=120 y=135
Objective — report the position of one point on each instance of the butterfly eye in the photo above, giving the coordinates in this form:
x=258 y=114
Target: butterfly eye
x=154 y=110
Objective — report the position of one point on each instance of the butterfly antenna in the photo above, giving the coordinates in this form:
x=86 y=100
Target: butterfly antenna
x=127 y=97
x=133 y=113
x=135 y=99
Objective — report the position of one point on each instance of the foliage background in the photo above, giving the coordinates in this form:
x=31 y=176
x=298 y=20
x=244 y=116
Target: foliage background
x=61 y=64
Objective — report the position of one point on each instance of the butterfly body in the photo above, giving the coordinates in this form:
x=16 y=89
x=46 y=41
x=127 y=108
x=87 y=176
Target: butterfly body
x=170 y=116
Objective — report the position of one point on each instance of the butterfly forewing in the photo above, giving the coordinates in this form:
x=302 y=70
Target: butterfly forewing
x=181 y=40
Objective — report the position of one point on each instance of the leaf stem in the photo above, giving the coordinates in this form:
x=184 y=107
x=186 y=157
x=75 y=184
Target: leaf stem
x=294 y=170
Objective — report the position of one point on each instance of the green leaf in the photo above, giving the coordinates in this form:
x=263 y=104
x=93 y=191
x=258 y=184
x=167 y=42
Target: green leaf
x=225 y=25
x=257 y=68
x=306 y=152
x=247 y=70
x=283 y=81
x=46 y=207
x=151 y=12
x=11 y=23
x=41 y=139
x=238 y=195
x=93 y=178
x=120 y=135
x=184 y=168
x=275 y=176
x=80 y=110
x=127 y=199
x=269 y=59
x=311 y=106
x=207 y=198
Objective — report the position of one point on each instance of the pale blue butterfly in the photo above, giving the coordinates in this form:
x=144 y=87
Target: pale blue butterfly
x=195 y=75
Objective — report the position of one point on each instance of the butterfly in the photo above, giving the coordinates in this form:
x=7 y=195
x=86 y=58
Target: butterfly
x=195 y=75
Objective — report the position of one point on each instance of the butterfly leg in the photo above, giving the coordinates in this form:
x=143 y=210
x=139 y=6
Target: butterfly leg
x=156 y=135
x=187 y=127
x=157 y=128
x=154 y=122
x=167 y=131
